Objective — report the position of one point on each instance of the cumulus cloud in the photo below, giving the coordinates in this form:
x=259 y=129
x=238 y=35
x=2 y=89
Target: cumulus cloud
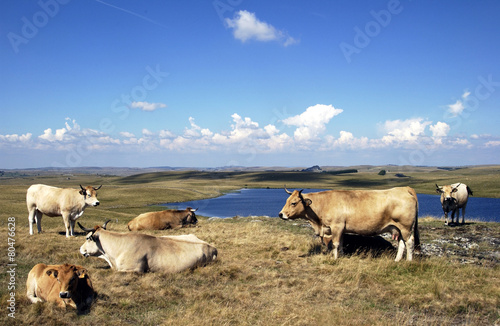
x=127 y=134
x=312 y=122
x=146 y=106
x=492 y=143
x=401 y=131
x=458 y=107
x=246 y=136
x=246 y=26
x=440 y=129
x=15 y=138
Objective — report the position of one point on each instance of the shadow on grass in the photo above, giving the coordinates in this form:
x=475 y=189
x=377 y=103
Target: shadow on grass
x=357 y=244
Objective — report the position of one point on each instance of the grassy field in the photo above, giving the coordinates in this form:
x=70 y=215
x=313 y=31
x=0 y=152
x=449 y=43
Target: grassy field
x=269 y=272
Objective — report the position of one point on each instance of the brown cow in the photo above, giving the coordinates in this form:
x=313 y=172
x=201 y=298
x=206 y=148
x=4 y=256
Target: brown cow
x=364 y=212
x=66 y=285
x=167 y=219
x=52 y=201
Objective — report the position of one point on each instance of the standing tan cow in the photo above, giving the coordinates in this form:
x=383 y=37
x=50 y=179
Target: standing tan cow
x=364 y=212
x=66 y=202
x=454 y=197
x=167 y=219
x=66 y=285
x=137 y=252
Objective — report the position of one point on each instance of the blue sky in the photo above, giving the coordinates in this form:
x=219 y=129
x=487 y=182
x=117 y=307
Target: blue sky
x=250 y=83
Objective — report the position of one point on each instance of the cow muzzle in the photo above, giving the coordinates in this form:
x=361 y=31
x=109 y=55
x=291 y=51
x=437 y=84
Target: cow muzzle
x=65 y=295
x=96 y=203
x=283 y=216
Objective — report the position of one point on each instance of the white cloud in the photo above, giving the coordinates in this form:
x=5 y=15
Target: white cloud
x=460 y=142
x=146 y=106
x=15 y=138
x=440 y=129
x=402 y=131
x=312 y=122
x=492 y=143
x=458 y=107
x=166 y=134
x=57 y=136
x=245 y=136
x=246 y=26
x=127 y=134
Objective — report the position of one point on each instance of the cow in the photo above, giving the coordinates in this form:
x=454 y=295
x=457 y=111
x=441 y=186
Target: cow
x=65 y=285
x=66 y=202
x=137 y=252
x=454 y=197
x=167 y=219
x=365 y=212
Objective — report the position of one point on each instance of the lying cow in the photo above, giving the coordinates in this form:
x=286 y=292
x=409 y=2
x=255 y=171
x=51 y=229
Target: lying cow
x=136 y=252
x=52 y=201
x=66 y=285
x=364 y=212
x=454 y=197
x=167 y=219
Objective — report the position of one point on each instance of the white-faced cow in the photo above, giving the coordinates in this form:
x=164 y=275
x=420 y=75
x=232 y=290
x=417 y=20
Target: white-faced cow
x=66 y=202
x=365 y=212
x=65 y=285
x=136 y=252
x=167 y=219
x=454 y=197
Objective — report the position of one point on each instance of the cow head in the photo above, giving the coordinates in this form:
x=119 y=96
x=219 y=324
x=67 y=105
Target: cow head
x=295 y=206
x=92 y=246
x=67 y=276
x=89 y=194
x=447 y=192
x=190 y=217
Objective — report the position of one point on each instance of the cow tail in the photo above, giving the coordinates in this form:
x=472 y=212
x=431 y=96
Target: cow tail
x=416 y=233
x=469 y=191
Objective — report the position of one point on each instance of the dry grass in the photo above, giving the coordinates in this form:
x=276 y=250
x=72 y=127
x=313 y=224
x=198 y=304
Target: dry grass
x=269 y=272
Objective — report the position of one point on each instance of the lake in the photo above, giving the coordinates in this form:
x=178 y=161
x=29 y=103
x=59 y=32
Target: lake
x=268 y=202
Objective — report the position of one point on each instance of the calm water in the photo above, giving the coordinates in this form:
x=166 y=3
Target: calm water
x=268 y=202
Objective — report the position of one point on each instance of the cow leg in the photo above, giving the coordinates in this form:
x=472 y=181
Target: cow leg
x=31 y=218
x=445 y=218
x=410 y=247
x=463 y=215
x=401 y=248
x=31 y=290
x=337 y=241
x=66 y=220
x=72 y=226
x=38 y=218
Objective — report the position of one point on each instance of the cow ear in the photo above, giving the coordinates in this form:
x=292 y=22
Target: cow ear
x=81 y=272
x=52 y=272
x=455 y=189
x=308 y=202
x=83 y=192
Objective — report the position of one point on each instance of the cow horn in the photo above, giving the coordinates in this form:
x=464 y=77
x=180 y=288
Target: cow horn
x=105 y=223
x=458 y=185
x=287 y=191
x=82 y=187
x=193 y=210
x=97 y=188
x=84 y=228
